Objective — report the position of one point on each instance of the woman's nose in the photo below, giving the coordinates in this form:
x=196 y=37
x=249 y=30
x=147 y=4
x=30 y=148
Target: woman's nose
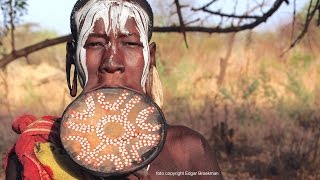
x=112 y=62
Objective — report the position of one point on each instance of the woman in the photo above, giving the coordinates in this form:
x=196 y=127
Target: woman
x=110 y=48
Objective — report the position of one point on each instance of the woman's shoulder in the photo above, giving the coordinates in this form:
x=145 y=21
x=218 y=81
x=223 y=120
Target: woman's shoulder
x=183 y=133
x=186 y=139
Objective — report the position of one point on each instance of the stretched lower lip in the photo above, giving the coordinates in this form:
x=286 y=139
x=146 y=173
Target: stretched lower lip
x=109 y=86
x=100 y=87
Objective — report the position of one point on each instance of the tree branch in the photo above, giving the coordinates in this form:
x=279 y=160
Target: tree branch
x=309 y=18
x=228 y=15
x=293 y=19
x=310 y=14
x=318 y=21
x=165 y=29
x=205 y=6
x=30 y=49
x=229 y=29
x=12 y=16
x=182 y=25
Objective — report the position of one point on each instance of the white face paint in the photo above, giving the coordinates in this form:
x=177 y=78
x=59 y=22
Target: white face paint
x=115 y=14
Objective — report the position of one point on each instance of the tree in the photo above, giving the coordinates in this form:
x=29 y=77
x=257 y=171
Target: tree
x=207 y=17
x=12 y=10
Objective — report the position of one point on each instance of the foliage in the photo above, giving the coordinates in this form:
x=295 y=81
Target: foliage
x=263 y=122
x=12 y=11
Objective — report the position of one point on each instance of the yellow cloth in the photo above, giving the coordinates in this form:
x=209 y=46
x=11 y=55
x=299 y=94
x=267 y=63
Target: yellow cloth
x=58 y=160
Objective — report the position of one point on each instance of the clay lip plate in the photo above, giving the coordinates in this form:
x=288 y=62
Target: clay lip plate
x=113 y=131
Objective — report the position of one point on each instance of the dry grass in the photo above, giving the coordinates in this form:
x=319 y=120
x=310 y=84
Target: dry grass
x=262 y=121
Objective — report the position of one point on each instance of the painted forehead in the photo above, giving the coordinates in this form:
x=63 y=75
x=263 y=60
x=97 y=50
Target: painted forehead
x=115 y=14
x=110 y=10
x=130 y=27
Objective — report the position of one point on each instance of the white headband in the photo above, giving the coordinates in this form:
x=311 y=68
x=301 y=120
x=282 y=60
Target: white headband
x=115 y=14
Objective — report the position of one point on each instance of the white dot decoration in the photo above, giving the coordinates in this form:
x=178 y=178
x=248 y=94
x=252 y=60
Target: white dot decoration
x=89 y=112
x=112 y=130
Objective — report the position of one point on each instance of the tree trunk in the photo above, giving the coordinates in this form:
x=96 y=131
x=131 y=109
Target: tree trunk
x=225 y=60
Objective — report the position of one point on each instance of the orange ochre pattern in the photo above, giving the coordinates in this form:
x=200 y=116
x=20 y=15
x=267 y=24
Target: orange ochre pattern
x=110 y=133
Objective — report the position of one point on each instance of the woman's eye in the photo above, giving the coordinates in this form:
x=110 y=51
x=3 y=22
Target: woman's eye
x=94 y=44
x=132 y=44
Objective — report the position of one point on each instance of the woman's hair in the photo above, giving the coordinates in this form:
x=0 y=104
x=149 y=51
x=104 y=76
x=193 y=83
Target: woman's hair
x=80 y=3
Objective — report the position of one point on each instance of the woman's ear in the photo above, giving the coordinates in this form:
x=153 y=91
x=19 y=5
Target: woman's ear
x=153 y=50
x=70 y=60
x=152 y=64
x=153 y=84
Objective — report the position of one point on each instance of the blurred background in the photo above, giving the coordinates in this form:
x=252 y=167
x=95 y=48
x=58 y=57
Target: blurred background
x=247 y=80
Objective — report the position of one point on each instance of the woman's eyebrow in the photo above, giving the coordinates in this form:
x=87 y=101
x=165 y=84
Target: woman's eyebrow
x=132 y=34
x=98 y=35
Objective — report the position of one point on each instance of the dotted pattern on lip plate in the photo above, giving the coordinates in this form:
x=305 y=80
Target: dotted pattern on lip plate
x=111 y=130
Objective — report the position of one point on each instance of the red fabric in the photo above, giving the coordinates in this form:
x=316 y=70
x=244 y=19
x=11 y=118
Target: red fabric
x=22 y=122
x=32 y=131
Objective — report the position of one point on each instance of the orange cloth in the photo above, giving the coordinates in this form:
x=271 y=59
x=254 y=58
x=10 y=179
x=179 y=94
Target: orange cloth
x=33 y=130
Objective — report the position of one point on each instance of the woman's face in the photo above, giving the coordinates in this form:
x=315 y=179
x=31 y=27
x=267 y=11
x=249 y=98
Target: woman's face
x=114 y=59
x=113 y=48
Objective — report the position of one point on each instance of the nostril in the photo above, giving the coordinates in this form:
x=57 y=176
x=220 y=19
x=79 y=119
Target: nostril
x=112 y=66
x=121 y=69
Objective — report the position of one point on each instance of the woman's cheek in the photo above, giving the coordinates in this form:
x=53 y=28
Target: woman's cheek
x=93 y=60
x=135 y=58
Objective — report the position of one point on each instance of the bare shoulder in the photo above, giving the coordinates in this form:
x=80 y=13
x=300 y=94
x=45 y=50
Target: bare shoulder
x=186 y=138
x=188 y=143
x=192 y=150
